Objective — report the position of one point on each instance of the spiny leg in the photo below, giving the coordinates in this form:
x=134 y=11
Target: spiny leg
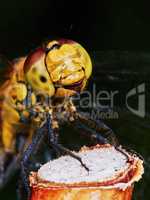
x=39 y=136
x=51 y=136
x=10 y=171
x=7 y=168
x=95 y=129
x=13 y=165
x=31 y=150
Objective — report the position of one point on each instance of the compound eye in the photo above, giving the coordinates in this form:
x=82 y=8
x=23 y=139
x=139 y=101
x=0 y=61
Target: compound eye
x=43 y=79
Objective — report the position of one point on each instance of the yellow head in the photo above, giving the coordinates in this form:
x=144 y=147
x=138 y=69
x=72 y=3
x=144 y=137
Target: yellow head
x=61 y=69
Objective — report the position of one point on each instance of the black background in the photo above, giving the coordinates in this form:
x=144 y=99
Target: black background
x=97 y=24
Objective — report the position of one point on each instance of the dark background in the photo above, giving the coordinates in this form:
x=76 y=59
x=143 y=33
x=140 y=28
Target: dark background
x=117 y=35
x=97 y=24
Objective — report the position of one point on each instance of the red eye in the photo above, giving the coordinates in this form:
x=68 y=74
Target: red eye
x=33 y=58
x=65 y=41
